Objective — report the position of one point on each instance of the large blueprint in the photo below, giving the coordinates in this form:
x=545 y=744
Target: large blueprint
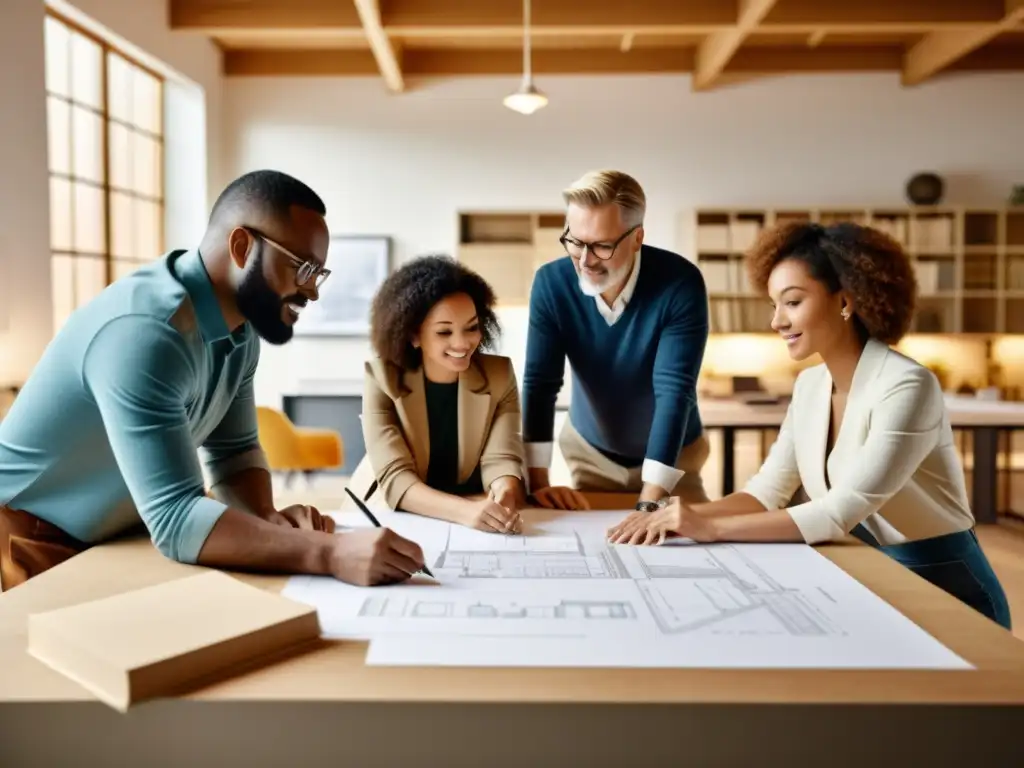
x=560 y=595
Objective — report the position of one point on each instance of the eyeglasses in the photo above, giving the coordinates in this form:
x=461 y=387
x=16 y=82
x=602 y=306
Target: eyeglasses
x=603 y=251
x=306 y=269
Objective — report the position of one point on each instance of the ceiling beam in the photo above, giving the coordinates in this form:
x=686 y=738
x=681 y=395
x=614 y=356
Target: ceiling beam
x=941 y=49
x=613 y=15
x=221 y=15
x=718 y=47
x=298 y=62
x=380 y=44
x=839 y=13
x=746 y=63
x=408 y=18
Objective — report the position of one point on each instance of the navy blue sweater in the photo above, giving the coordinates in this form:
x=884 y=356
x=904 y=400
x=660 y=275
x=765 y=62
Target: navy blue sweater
x=634 y=393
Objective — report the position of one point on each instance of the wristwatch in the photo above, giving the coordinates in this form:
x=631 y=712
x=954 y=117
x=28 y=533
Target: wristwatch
x=650 y=506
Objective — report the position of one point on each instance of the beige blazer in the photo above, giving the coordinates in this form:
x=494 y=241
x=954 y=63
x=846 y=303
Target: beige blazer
x=397 y=435
x=894 y=466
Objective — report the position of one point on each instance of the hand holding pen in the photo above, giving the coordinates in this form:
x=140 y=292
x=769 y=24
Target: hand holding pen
x=376 y=523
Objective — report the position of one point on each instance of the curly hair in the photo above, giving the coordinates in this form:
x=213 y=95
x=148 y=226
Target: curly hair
x=870 y=265
x=406 y=297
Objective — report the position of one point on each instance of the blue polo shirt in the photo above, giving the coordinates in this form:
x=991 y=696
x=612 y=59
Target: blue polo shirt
x=109 y=427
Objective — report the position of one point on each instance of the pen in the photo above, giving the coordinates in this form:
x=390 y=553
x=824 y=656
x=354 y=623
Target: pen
x=366 y=511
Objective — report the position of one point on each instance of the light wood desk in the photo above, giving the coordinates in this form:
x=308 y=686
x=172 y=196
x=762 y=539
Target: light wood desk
x=985 y=420
x=326 y=708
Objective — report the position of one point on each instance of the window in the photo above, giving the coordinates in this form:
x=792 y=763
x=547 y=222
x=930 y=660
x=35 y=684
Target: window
x=105 y=124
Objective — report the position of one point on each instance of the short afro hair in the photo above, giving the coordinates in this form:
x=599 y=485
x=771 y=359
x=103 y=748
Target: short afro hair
x=406 y=297
x=870 y=265
x=273 y=191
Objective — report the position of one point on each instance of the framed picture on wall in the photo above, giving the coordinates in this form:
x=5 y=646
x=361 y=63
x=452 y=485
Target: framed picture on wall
x=358 y=264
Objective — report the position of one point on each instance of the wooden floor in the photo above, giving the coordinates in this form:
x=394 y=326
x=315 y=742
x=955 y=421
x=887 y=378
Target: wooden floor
x=1003 y=543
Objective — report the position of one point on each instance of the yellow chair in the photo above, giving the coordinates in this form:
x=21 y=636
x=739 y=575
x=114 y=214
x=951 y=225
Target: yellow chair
x=297 y=449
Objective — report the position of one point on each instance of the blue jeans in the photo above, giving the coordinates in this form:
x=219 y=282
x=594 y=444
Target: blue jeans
x=954 y=562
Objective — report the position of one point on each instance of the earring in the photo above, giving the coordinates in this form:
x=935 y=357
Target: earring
x=846 y=314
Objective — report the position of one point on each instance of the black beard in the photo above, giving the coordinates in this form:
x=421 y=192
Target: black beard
x=261 y=306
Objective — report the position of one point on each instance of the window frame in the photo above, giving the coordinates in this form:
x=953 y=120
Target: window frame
x=73 y=253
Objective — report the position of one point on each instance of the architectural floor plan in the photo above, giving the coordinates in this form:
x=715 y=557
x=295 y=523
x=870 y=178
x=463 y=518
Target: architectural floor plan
x=475 y=555
x=560 y=595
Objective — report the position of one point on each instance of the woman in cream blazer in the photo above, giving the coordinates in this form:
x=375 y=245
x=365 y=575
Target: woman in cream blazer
x=867 y=437
x=441 y=420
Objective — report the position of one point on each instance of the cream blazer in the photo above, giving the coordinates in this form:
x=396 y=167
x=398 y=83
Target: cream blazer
x=894 y=466
x=397 y=435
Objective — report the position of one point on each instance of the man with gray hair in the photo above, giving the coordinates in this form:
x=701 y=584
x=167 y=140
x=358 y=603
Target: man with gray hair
x=632 y=320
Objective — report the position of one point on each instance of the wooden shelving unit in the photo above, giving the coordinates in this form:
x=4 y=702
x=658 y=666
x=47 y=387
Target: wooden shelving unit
x=969 y=261
x=507 y=247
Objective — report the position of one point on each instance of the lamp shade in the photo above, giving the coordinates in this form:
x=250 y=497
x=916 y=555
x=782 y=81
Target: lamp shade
x=526 y=100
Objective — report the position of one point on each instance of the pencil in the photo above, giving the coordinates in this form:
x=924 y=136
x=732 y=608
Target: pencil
x=366 y=511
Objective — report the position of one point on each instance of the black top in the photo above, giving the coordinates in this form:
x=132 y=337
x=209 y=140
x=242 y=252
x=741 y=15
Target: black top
x=443 y=418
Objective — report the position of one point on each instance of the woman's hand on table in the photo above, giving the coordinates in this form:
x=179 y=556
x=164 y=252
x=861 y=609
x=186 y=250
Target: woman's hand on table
x=488 y=515
x=676 y=519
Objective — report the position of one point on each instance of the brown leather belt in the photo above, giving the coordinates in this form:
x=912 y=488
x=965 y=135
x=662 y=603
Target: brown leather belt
x=29 y=546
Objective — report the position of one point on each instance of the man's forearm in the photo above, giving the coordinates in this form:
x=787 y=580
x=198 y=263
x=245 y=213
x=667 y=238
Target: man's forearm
x=250 y=490
x=243 y=541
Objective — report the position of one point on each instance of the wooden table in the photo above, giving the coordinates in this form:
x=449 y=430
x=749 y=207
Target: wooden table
x=326 y=708
x=985 y=420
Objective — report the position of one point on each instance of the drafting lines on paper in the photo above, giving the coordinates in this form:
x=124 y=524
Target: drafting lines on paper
x=416 y=608
x=721 y=589
x=495 y=556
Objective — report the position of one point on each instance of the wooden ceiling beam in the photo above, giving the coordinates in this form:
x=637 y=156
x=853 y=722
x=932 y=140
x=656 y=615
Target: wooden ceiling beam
x=298 y=62
x=221 y=15
x=612 y=15
x=839 y=13
x=380 y=44
x=714 y=52
x=746 y=63
x=407 y=18
x=429 y=63
x=941 y=49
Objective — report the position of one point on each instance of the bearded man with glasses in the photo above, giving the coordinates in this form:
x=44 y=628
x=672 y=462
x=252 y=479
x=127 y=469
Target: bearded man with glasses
x=632 y=320
x=107 y=430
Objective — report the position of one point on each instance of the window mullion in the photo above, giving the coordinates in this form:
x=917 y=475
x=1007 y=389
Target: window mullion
x=107 y=201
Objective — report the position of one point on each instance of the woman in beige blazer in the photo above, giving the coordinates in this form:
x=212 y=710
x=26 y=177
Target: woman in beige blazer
x=441 y=420
x=866 y=436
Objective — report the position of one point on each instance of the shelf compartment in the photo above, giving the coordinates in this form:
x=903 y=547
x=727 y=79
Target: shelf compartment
x=981 y=228
x=933 y=233
x=1014 y=272
x=980 y=314
x=495 y=228
x=1015 y=315
x=935 y=314
x=830 y=217
x=894 y=224
x=935 y=274
x=981 y=272
x=1015 y=228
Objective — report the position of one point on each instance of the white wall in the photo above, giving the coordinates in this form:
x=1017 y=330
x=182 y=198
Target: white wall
x=404 y=164
x=25 y=315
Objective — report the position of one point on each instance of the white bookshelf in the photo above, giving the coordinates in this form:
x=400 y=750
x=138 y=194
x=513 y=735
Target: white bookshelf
x=969 y=263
